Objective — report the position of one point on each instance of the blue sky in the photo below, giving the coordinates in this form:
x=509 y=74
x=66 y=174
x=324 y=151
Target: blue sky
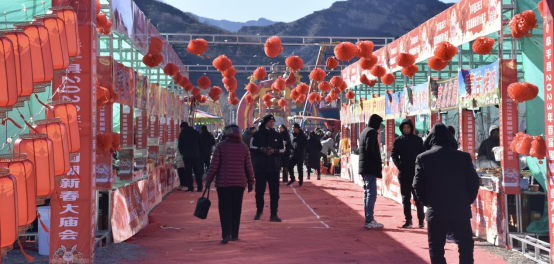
x=244 y=10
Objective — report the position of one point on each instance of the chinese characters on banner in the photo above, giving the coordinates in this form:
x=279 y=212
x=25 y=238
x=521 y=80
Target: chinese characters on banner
x=124 y=84
x=417 y=99
x=104 y=176
x=126 y=155
x=72 y=223
x=153 y=135
x=467 y=134
x=129 y=212
x=389 y=139
x=479 y=87
x=142 y=139
x=508 y=129
x=444 y=94
x=548 y=26
x=394 y=105
x=488 y=219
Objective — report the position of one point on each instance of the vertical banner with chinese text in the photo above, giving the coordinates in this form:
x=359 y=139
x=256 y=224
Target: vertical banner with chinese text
x=105 y=177
x=126 y=155
x=389 y=139
x=508 y=128
x=467 y=132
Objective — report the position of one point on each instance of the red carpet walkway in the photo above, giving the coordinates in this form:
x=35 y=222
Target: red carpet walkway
x=337 y=236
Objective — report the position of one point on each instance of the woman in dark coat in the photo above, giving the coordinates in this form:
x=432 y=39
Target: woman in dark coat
x=314 y=156
x=286 y=156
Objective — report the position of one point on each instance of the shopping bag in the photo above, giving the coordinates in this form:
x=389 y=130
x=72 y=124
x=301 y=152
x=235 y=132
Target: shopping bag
x=203 y=205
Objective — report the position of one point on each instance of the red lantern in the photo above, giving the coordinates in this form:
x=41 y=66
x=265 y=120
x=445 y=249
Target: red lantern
x=232 y=95
x=540 y=6
x=378 y=71
x=302 y=88
x=337 y=81
x=331 y=63
x=521 y=24
x=24 y=77
x=388 y=79
x=524 y=145
x=317 y=74
x=249 y=99
x=104 y=143
x=312 y=97
x=343 y=87
x=58 y=41
x=282 y=103
x=436 y=63
x=67 y=112
x=410 y=71
x=231 y=72
x=538 y=148
x=230 y=84
x=57 y=132
x=302 y=98
x=405 y=59
x=267 y=97
x=366 y=81
x=69 y=17
x=204 y=82
x=367 y=63
x=252 y=88
x=483 y=45
x=294 y=94
x=328 y=99
x=195 y=91
x=273 y=47
x=291 y=79
x=445 y=51
x=324 y=86
x=350 y=95
x=171 y=69
x=260 y=73
x=156 y=45
x=8 y=211
x=101 y=19
x=152 y=60
x=222 y=63
x=295 y=63
x=40 y=151
x=22 y=169
x=515 y=142
x=41 y=54
x=216 y=90
x=365 y=48
x=521 y=92
x=8 y=76
x=197 y=46
x=280 y=83
x=345 y=51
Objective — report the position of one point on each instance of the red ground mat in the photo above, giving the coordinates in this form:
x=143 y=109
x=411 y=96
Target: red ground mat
x=322 y=223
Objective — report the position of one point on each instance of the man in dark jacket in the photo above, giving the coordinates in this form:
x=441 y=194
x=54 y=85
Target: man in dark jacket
x=370 y=167
x=208 y=142
x=299 y=145
x=267 y=146
x=446 y=182
x=247 y=135
x=485 y=155
x=189 y=146
x=404 y=152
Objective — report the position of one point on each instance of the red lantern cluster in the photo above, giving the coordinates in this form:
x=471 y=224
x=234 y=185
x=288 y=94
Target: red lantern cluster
x=268 y=100
x=222 y=63
x=171 y=69
x=483 y=45
x=273 y=47
x=103 y=25
x=445 y=51
x=410 y=71
x=405 y=59
x=154 y=57
x=279 y=84
x=337 y=81
x=215 y=92
x=365 y=48
x=522 y=24
x=324 y=86
x=230 y=84
x=231 y=72
x=528 y=145
x=252 y=88
x=314 y=97
x=367 y=63
x=197 y=46
x=521 y=92
x=302 y=88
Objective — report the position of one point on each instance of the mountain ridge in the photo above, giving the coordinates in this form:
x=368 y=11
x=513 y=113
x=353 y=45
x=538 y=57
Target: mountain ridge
x=234 y=26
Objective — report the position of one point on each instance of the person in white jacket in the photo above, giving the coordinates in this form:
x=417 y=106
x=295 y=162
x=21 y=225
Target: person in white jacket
x=328 y=144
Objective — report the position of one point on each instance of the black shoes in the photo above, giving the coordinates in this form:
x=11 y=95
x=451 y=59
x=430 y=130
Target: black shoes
x=421 y=225
x=408 y=224
x=257 y=216
x=319 y=177
x=235 y=239
x=300 y=184
x=291 y=182
x=275 y=218
x=226 y=240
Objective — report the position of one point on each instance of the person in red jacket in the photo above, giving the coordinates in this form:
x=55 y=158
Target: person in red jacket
x=232 y=169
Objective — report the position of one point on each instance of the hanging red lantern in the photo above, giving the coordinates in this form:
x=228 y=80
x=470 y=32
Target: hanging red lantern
x=538 y=148
x=366 y=81
x=324 y=86
x=343 y=87
x=524 y=145
x=267 y=97
x=302 y=98
x=483 y=45
x=388 y=79
x=40 y=151
x=41 y=54
x=152 y=60
x=249 y=99
x=105 y=30
x=230 y=84
x=216 y=90
x=521 y=24
x=318 y=74
x=410 y=71
x=8 y=211
x=540 y=6
x=378 y=71
x=282 y=103
x=231 y=72
x=104 y=143
x=188 y=87
x=204 y=82
x=234 y=101
x=367 y=63
x=302 y=88
x=57 y=132
x=445 y=51
x=22 y=170
x=436 y=63
x=67 y=112
x=24 y=77
x=101 y=19
x=69 y=17
x=280 y=83
x=350 y=95
x=197 y=46
x=8 y=77
x=58 y=41
x=232 y=95
x=337 y=81
x=260 y=73
x=521 y=92
x=345 y=51
x=331 y=63
x=116 y=140
x=365 y=48
x=273 y=47
x=156 y=45
x=515 y=142
x=252 y=88
x=328 y=99
x=222 y=63
x=294 y=94
x=405 y=59
x=291 y=79
x=295 y=63
x=196 y=91
x=268 y=104
x=178 y=78
x=171 y=69
x=311 y=97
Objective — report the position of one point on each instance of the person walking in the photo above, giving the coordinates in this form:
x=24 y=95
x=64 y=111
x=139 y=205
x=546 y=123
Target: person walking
x=208 y=142
x=370 y=167
x=247 y=135
x=288 y=149
x=314 y=155
x=267 y=147
x=299 y=144
x=328 y=146
x=180 y=166
x=189 y=146
x=232 y=170
x=404 y=152
x=447 y=184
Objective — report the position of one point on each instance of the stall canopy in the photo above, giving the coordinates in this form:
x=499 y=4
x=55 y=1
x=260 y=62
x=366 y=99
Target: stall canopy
x=204 y=117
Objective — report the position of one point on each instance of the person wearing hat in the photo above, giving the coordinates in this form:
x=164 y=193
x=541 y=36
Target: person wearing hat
x=299 y=145
x=267 y=147
x=485 y=155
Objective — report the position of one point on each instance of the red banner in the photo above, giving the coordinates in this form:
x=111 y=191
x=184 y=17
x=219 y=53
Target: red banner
x=104 y=173
x=126 y=155
x=467 y=133
x=142 y=130
x=489 y=220
x=389 y=139
x=153 y=141
x=73 y=225
x=436 y=118
x=124 y=84
x=508 y=129
x=129 y=210
x=162 y=130
x=548 y=27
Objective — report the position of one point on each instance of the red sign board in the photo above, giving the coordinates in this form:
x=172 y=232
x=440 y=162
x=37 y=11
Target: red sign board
x=436 y=118
x=548 y=26
x=508 y=129
x=142 y=130
x=467 y=132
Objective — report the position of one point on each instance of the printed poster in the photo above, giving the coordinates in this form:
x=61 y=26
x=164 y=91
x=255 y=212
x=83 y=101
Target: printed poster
x=479 y=87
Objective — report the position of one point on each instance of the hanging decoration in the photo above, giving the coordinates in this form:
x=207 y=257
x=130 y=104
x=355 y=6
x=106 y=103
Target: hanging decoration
x=295 y=63
x=104 y=143
x=273 y=47
x=388 y=79
x=483 y=45
x=22 y=169
x=252 y=88
x=57 y=132
x=337 y=81
x=171 y=69
x=522 y=24
x=445 y=51
x=58 y=41
x=204 y=82
x=331 y=63
x=8 y=211
x=69 y=18
x=521 y=92
x=302 y=88
x=405 y=59
x=249 y=99
x=324 y=86
x=282 y=103
x=260 y=73
x=366 y=81
x=345 y=51
x=291 y=79
x=378 y=71
x=280 y=83
x=410 y=71
x=318 y=74
x=436 y=63
x=197 y=46
x=365 y=48
x=366 y=63
x=67 y=112
x=215 y=92
x=350 y=95
x=524 y=145
x=152 y=60
x=231 y=72
x=222 y=63
x=22 y=56
x=230 y=84
x=538 y=148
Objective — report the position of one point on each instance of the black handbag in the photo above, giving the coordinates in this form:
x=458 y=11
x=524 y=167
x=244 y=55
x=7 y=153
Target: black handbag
x=203 y=205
